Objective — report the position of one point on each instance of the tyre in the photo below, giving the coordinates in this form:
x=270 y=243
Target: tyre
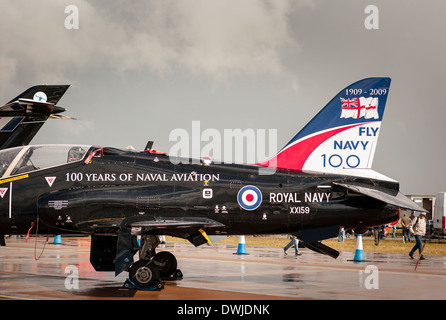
x=144 y=274
x=166 y=263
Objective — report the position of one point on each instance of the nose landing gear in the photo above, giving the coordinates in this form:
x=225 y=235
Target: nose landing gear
x=147 y=273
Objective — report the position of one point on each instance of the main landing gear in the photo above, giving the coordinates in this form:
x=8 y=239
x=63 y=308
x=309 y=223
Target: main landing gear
x=152 y=267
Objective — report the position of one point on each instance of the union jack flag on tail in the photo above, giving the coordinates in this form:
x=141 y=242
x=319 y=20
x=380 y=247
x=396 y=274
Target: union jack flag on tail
x=360 y=107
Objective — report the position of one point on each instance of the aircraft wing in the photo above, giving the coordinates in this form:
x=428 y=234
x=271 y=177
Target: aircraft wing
x=115 y=200
x=392 y=197
x=171 y=224
x=190 y=228
x=175 y=223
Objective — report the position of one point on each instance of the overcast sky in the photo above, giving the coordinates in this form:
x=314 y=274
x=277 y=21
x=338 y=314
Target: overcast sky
x=140 y=69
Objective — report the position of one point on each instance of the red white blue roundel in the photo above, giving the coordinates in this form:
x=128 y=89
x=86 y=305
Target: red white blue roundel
x=249 y=198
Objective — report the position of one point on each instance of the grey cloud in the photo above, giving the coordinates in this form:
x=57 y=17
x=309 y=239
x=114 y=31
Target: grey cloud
x=196 y=36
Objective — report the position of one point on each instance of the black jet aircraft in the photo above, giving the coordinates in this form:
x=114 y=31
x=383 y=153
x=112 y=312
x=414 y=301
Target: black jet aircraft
x=318 y=182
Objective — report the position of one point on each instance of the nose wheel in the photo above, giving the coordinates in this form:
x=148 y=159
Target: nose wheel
x=147 y=273
x=167 y=264
x=144 y=274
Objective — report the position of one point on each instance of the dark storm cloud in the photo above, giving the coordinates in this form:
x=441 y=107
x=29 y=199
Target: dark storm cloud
x=139 y=69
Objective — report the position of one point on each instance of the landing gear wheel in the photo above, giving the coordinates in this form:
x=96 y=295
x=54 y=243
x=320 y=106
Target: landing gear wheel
x=166 y=263
x=144 y=274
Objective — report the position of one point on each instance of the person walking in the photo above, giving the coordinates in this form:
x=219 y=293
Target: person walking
x=341 y=235
x=294 y=241
x=418 y=228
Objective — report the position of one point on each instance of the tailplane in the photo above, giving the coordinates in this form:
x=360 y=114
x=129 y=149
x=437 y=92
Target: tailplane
x=22 y=117
x=342 y=137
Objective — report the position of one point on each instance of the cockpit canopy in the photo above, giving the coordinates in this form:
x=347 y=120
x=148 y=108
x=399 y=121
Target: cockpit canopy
x=30 y=158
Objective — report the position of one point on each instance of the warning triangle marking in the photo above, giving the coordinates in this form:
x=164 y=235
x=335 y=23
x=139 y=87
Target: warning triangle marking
x=3 y=192
x=50 y=180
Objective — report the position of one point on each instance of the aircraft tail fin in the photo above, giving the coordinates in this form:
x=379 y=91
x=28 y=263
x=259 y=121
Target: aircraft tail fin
x=342 y=136
x=22 y=117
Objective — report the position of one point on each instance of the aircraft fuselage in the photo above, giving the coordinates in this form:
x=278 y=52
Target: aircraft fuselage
x=117 y=186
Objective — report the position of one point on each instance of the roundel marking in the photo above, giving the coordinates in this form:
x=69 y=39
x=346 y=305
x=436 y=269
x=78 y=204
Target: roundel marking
x=249 y=198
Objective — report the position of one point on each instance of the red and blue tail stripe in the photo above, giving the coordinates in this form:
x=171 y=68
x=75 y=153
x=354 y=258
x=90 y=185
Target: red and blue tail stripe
x=343 y=135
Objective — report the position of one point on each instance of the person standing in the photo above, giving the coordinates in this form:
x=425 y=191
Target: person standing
x=405 y=221
x=394 y=230
x=418 y=228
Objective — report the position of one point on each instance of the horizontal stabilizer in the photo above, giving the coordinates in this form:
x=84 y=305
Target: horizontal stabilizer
x=24 y=107
x=322 y=248
x=312 y=237
x=317 y=234
x=392 y=197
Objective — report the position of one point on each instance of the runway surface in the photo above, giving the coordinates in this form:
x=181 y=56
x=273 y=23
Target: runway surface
x=216 y=273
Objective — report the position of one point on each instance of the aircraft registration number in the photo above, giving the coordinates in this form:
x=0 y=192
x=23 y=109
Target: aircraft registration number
x=300 y=210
